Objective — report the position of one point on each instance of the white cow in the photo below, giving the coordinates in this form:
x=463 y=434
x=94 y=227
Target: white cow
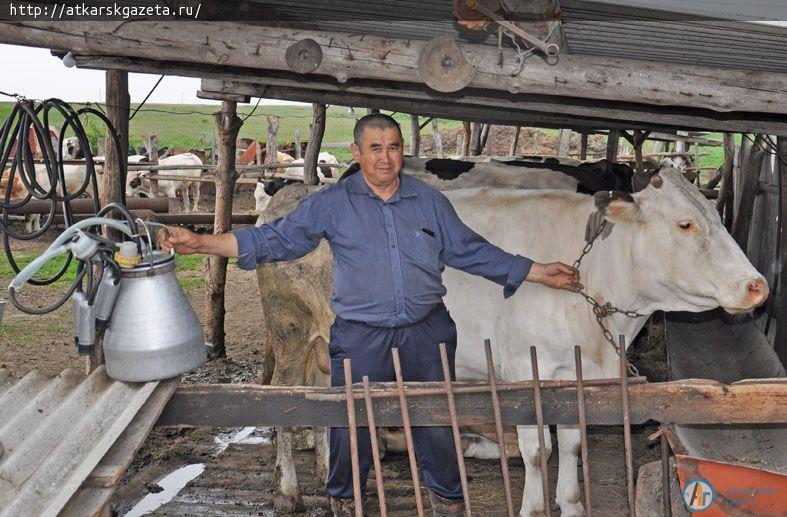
x=137 y=182
x=264 y=191
x=655 y=258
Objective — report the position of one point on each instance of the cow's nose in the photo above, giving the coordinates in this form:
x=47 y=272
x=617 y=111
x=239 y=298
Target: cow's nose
x=757 y=291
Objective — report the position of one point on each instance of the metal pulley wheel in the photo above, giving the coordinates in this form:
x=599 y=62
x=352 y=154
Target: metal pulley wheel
x=303 y=56
x=443 y=67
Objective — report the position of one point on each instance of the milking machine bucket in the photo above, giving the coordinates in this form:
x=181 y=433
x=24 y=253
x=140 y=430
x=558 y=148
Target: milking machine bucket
x=153 y=332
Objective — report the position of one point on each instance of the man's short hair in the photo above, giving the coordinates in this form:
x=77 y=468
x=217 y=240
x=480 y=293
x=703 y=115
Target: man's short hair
x=375 y=120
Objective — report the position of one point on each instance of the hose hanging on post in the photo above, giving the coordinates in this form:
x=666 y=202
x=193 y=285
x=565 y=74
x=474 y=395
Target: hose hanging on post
x=26 y=125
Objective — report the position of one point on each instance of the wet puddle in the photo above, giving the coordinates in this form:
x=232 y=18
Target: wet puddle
x=174 y=482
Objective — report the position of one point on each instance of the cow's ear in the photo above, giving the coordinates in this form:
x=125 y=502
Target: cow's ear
x=617 y=206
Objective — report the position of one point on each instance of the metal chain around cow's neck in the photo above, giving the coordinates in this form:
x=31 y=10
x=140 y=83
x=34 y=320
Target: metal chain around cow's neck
x=602 y=311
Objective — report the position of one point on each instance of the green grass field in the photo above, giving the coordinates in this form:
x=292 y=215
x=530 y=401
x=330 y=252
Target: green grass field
x=187 y=126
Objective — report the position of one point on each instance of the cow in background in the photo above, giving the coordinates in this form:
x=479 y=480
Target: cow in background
x=138 y=184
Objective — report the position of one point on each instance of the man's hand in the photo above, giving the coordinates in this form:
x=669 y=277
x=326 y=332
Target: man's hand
x=181 y=240
x=555 y=275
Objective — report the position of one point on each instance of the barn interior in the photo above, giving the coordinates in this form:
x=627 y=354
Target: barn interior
x=636 y=70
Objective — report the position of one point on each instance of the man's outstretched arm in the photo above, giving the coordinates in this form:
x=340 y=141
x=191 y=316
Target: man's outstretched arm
x=185 y=242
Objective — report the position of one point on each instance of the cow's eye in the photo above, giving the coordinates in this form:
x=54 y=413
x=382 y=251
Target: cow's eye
x=687 y=226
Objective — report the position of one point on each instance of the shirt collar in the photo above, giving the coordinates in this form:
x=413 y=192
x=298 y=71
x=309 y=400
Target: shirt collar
x=357 y=185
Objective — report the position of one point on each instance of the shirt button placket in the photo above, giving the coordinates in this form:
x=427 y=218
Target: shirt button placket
x=395 y=264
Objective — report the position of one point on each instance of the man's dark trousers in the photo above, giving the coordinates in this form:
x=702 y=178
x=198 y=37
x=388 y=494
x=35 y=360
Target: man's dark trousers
x=370 y=350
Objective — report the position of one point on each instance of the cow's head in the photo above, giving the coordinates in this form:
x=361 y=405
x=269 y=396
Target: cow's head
x=684 y=258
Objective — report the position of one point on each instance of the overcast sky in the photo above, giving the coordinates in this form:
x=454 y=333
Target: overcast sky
x=36 y=74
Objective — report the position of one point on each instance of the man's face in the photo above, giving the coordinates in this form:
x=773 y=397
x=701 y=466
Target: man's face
x=380 y=155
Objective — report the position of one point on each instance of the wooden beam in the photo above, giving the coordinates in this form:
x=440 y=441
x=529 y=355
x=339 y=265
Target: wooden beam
x=228 y=125
x=605 y=113
x=263 y=48
x=684 y=402
x=223 y=96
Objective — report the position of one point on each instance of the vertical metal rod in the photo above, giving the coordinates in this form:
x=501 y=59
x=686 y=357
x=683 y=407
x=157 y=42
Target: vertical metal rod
x=665 y=478
x=624 y=390
x=583 y=430
x=490 y=369
x=348 y=389
x=408 y=434
x=378 y=471
x=542 y=446
x=460 y=458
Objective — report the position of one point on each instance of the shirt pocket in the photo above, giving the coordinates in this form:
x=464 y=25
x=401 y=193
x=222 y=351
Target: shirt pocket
x=426 y=251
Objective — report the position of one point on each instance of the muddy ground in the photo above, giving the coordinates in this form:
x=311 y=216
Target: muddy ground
x=237 y=476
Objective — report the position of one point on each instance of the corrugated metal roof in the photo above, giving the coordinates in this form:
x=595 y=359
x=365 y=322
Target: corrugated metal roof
x=640 y=30
x=55 y=431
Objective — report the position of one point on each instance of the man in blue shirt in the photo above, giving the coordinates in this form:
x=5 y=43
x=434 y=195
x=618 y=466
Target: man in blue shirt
x=391 y=236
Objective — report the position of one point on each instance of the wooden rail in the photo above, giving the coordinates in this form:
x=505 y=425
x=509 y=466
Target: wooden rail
x=683 y=402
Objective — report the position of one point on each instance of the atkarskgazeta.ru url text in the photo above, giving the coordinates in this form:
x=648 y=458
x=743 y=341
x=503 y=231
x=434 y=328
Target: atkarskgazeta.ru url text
x=61 y=11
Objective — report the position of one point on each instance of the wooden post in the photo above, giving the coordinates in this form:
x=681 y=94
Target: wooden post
x=583 y=147
x=228 y=124
x=475 y=139
x=612 y=144
x=258 y=152
x=271 y=145
x=563 y=142
x=780 y=299
x=313 y=147
x=118 y=102
x=153 y=159
x=111 y=182
x=484 y=137
x=726 y=194
x=466 y=137
x=213 y=143
x=512 y=152
x=297 y=144
x=438 y=140
x=415 y=135
x=697 y=162
x=370 y=111
x=750 y=174
x=101 y=147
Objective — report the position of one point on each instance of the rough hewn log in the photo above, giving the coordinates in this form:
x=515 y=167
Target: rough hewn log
x=484 y=137
x=263 y=47
x=683 y=402
x=228 y=125
x=313 y=146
